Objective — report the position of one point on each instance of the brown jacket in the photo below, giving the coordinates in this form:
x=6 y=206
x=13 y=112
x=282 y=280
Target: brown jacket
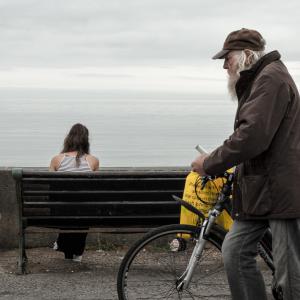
x=265 y=144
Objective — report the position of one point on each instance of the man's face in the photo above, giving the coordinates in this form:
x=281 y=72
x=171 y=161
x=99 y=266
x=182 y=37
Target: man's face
x=231 y=63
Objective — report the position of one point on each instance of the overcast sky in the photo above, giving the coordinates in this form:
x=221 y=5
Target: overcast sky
x=162 y=46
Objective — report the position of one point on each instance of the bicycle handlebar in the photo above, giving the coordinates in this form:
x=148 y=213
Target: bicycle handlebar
x=207 y=178
x=201 y=150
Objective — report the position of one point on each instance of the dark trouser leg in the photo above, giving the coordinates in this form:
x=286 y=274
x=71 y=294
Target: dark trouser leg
x=239 y=251
x=286 y=253
x=79 y=243
x=71 y=243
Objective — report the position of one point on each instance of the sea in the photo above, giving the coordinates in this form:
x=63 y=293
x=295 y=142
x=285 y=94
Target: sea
x=124 y=132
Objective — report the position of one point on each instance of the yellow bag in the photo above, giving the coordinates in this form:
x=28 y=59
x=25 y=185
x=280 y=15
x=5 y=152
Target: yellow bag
x=209 y=196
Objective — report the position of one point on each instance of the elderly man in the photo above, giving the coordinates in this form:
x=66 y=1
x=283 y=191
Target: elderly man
x=265 y=148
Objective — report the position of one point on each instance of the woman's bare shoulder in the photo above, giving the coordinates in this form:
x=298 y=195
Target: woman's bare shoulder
x=93 y=162
x=56 y=161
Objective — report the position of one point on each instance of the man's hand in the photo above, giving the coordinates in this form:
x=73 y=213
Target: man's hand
x=197 y=164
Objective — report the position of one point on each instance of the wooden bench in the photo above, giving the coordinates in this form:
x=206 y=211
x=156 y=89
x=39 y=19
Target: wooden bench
x=130 y=200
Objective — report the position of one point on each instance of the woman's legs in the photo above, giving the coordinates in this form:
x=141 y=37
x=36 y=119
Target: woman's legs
x=71 y=244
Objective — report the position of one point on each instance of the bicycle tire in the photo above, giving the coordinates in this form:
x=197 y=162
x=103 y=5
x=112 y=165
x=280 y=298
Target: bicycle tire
x=150 y=269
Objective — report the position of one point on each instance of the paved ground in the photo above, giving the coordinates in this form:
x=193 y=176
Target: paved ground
x=52 y=277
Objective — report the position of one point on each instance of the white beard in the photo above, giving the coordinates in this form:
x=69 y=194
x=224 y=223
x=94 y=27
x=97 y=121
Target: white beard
x=232 y=80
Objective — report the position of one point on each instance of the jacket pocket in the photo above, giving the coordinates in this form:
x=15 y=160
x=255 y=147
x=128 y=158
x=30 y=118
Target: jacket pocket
x=256 y=195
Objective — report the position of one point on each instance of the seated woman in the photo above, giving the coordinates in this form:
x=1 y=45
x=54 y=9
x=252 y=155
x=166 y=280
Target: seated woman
x=74 y=157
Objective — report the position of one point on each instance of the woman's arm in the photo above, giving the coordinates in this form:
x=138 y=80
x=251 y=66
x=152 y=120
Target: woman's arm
x=55 y=162
x=93 y=162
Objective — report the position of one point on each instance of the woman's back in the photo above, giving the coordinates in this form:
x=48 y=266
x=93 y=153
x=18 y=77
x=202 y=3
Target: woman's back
x=68 y=164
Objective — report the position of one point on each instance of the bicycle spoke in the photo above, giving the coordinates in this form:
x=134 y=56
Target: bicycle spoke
x=171 y=292
x=155 y=269
x=190 y=293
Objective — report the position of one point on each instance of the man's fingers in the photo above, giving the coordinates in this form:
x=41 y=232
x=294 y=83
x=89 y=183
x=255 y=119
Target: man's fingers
x=197 y=164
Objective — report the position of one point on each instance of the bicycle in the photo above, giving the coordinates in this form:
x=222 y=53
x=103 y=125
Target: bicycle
x=175 y=261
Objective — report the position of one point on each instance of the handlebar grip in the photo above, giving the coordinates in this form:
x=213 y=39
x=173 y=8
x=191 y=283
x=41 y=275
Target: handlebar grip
x=200 y=149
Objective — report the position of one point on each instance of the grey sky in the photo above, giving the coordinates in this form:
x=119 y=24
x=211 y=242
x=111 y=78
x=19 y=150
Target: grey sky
x=128 y=43
x=154 y=54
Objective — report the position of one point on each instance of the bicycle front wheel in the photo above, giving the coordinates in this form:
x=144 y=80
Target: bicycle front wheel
x=153 y=265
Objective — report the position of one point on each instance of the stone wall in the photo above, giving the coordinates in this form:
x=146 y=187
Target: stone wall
x=8 y=210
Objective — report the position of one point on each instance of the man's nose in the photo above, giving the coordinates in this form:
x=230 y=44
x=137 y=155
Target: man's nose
x=225 y=65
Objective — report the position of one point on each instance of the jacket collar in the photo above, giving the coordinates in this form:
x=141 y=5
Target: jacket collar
x=247 y=77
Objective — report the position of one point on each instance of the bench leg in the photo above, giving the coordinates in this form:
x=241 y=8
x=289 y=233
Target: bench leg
x=22 y=254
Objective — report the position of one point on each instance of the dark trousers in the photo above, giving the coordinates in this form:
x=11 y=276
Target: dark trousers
x=240 y=249
x=71 y=243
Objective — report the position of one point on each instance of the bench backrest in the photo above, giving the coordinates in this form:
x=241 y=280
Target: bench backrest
x=97 y=199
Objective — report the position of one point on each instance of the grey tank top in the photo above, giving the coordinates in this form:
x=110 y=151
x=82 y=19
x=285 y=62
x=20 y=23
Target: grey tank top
x=68 y=164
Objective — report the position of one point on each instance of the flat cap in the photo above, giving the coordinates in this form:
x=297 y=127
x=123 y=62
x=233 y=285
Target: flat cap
x=240 y=40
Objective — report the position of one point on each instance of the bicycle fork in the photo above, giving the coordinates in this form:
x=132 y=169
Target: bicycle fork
x=185 y=278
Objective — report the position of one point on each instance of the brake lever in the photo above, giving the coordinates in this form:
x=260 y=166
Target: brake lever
x=205 y=179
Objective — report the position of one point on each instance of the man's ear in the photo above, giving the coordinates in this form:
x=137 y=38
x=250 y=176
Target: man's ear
x=249 y=57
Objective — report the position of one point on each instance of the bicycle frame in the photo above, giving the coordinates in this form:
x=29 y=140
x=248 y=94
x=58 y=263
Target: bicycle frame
x=207 y=231
x=223 y=198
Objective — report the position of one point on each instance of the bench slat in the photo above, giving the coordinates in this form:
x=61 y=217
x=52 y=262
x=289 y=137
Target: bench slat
x=87 y=192
x=124 y=203
x=150 y=217
x=53 y=179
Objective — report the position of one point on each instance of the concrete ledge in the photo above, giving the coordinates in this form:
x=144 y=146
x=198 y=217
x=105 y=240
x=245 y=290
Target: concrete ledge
x=8 y=210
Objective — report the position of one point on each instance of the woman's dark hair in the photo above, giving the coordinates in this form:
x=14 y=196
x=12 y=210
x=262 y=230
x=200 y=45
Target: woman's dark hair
x=77 y=140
